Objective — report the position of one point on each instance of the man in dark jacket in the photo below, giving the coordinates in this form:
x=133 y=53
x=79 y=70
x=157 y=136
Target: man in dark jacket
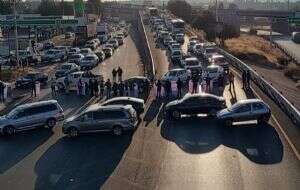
x=120 y=73
x=179 y=87
x=108 y=88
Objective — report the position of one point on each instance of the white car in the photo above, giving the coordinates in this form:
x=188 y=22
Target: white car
x=89 y=61
x=54 y=55
x=91 y=44
x=62 y=48
x=66 y=69
x=191 y=45
x=114 y=43
x=174 y=74
x=73 y=51
x=220 y=60
x=174 y=46
x=209 y=52
x=214 y=72
x=192 y=63
x=74 y=78
x=245 y=110
x=86 y=51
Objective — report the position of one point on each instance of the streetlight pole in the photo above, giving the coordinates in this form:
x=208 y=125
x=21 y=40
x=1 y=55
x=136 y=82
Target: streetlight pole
x=16 y=33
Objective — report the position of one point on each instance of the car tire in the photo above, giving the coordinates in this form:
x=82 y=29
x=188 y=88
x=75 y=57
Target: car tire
x=228 y=122
x=176 y=115
x=9 y=131
x=117 y=130
x=51 y=123
x=73 y=132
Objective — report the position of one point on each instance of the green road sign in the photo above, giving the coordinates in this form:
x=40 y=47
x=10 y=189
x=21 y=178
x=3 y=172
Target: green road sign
x=289 y=20
x=79 y=7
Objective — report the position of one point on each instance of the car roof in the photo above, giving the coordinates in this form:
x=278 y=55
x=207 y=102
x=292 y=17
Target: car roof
x=191 y=59
x=213 y=66
x=247 y=101
x=125 y=98
x=96 y=107
x=178 y=69
x=217 y=55
x=38 y=103
x=202 y=95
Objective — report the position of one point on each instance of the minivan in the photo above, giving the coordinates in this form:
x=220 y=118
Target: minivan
x=97 y=118
x=31 y=115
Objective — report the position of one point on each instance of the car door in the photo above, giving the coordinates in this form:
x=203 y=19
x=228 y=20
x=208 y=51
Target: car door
x=25 y=119
x=242 y=113
x=102 y=120
x=86 y=122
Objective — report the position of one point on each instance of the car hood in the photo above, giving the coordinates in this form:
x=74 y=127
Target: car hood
x=3 y=120
x=223 y=112
x=172 y=103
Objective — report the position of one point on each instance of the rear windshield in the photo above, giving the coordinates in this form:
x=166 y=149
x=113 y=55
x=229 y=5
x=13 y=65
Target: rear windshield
x=192 y=63
x=66 y=67
x=210 y=50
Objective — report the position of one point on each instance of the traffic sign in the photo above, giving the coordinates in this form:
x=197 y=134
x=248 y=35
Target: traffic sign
x=41 y=22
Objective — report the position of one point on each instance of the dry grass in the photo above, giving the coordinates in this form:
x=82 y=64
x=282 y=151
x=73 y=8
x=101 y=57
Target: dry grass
x=254 y=49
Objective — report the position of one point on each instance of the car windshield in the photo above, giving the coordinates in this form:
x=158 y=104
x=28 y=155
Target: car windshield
x=75 y=56
x=66 y=67
x=85 y=51
x=172 y=73
x=212 y=69
x=211 y=50
x=13 y=113
x=176 y=53
x=176 y=46
x=89 y=58
x=192 y=63
x=30 y=76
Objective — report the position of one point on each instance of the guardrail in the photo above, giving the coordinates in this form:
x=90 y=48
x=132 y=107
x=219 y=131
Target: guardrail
x=150 y=70
x=267 y=88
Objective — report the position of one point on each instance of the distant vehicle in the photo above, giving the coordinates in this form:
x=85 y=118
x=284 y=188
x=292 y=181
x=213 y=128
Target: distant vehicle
x=66 y=69
x=89 y=61
x=85 y=32
x=192 y=104
x=24 y=82
x=26 y=55
x=174 y=74
x=214 y=72
x=137 y=103
x=73 y=51
x=191 y=45
x=120 y=40
x=220 y=60
x=96 y=118
x=179 y=37
x=102 y=32
x=209 y=52
x=74 y=78
x=48 y=45
x=174 y=46
x=54 y=55
x=245 y=110
x=114 y=43
x=3 y=61
x=75 y=58
x=91 y=44
x=176 y=56
x=101 y=55
x=192 y=63
x=109 y=46
x=65 y=49
x=69 y=35
x=178 y=26
x=30 y=116
x=296 y=37
x=108 y=51
x=153 y=11
x=86 y=51
x=167 y=40
x=198 y=49
x=139 y=80
x=162 y=35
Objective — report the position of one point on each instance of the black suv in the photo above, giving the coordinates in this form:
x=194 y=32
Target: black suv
x=24 y=82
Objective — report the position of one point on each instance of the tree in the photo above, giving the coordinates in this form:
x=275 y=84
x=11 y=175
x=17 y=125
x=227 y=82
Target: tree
x=52 y=7
x=180 y=8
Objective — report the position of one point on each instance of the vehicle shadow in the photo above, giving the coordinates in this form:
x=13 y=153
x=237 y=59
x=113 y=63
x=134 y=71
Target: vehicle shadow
x=14 y=149
x=82 y=163
x=259 y=143
x=153 y=110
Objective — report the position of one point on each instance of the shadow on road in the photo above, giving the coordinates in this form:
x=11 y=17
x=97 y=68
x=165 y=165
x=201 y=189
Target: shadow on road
x=153 y=111
x=259 y=143
x=16 y=148
x=82 y=163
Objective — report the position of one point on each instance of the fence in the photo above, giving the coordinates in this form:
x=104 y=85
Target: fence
x=149 y=64
x=267 y=88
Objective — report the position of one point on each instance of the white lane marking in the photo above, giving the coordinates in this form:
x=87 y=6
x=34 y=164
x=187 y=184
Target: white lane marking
x=277 y=123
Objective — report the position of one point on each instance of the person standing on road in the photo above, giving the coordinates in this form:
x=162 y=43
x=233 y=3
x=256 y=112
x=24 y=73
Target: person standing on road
x=33 y=88
x=91 y=87
x=231 y=80
x=53 y=91
x=168 y=88
x=67 y=83
x=2 y=87
x=80 y=87
x=207 y=81
x=96 y=87
x=179 y=87
x=115 y=89
x=126 y=87
x=101 y=88
x=244 y=79
x=120 y=73
x=195 y=84
x=121 y=88
x=158 y=90
x=108 y=88
x=114 y=74
x=248 y=78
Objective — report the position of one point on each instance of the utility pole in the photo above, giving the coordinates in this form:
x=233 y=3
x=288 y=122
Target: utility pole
x=16 y=33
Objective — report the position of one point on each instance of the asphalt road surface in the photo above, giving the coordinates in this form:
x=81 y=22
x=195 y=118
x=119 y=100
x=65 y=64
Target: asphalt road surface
x=289 y=45
x=194 y=153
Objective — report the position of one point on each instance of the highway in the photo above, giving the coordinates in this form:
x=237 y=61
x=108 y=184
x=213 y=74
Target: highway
x=194 y=153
